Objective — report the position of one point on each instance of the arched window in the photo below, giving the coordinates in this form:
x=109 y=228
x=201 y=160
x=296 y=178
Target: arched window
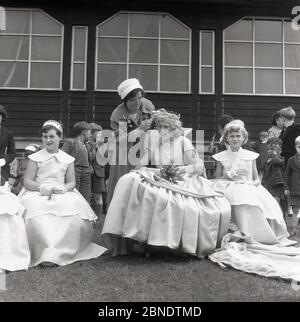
x=262 y=57
x=30 y=50
x=153 y=47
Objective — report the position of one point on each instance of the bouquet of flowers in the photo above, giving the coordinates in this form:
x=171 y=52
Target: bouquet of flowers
x=169 y=173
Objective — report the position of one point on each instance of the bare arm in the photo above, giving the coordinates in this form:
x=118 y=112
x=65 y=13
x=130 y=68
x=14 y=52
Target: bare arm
x=194 y=164
x=30 y=175
x=70 y=178
x=256 y=180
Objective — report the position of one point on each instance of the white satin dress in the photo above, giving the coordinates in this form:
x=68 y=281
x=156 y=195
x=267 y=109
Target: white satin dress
x=254 y=210
x=14 y=248
x=59 y=229
x=188 y=216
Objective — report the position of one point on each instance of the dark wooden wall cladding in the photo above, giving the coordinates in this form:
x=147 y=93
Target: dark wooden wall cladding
x=27 y=110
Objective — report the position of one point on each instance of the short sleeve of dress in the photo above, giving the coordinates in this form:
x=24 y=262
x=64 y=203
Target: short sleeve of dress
x=221 y=156
x=187 y=144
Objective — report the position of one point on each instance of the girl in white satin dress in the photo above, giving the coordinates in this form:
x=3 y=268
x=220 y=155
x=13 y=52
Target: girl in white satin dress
x=255 y=212
x=59 y=221
x=187 y=215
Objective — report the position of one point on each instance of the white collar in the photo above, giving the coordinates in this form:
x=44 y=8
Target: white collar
x=44 y=155
x=242 y=153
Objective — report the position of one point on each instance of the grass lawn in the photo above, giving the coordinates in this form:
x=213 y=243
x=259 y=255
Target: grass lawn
x=162 y=277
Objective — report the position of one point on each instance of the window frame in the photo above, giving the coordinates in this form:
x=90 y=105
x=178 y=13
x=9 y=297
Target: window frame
x=213 y=92
x=29 y=60
x=253 y=42
x=79 y=62
x=158 y=64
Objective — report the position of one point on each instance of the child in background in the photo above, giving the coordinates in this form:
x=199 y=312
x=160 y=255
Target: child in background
x=277 y=125
x=293 y=183
x=77 y=148
x=260 y=147
x=273 y=170
x=98 y=174
x=289 y=133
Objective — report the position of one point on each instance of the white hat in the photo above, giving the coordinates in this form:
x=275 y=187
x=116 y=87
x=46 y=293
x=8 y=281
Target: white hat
x=127 y=86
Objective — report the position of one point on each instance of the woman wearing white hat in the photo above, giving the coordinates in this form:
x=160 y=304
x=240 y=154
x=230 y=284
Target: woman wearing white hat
x=133 y=114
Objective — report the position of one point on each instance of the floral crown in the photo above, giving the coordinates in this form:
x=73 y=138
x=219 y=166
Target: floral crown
x=55 y=124
x=168 y=116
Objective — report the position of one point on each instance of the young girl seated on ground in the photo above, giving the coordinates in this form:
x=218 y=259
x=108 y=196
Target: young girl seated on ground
x=255 y=212
x=59 y=221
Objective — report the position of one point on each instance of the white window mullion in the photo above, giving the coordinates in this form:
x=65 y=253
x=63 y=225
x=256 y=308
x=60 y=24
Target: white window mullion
x=283 y=57
x=85 y=55
x=253 y=56
x=128 y=44
x=159 y=53
x=72 y=56
x=96 y=59
x=200 y=62
x=213 y=63
x=29 y=56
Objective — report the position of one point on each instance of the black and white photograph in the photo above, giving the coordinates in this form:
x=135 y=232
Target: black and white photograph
x=150 y=152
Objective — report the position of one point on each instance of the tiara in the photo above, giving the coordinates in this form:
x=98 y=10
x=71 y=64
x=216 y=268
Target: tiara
x=54 y=123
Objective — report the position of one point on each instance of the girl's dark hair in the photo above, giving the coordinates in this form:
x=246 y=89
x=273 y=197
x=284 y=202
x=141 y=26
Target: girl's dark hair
x=224 y=119
x=47 y=128
x=132 y=94
x=275 y=116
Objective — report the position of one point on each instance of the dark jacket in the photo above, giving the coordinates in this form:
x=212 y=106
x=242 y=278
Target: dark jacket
x=98 y=170
x=7 y=150
x=274 y=174
x=293 y=175
x=261 y=149
x=288 y=137
x=120 y=116
x=71 y=146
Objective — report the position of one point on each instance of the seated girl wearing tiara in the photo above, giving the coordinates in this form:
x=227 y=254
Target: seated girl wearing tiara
x=255 y=212
x=59 y=221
